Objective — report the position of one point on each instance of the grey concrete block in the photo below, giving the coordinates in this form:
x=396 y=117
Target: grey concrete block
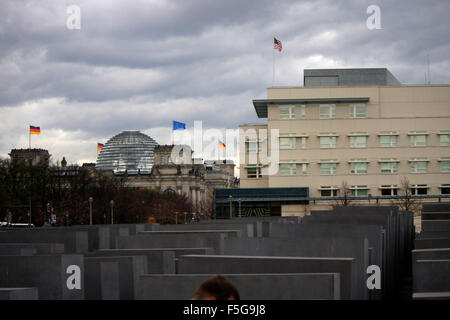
x=230 y=233
x=74 y=241
x=16 y=251
x=395 y=228
x=435 y=216
x=37 y=248
x=431 y=295
x=436 y=225
x=186 y=240
x=373 y=233
x=436 y=207
x=433 y=235
x=19 y=294
x=247 y=229
x=323 y=286
x=49 y=273
x=102 y=280
x=215 y=264
x=159 y=260
x=431 y=275
x=432 y=243
x=310 y=246
x=431 y=254
x=130 y=268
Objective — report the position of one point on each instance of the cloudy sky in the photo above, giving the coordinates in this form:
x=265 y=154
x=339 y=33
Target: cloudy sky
x=138 y=65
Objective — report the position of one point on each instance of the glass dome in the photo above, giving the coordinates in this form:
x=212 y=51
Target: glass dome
x=127 y=151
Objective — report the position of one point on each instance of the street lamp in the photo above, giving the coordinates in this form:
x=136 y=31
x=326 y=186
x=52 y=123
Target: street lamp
x=90 y=209
x=231 y=208
x=111 y=203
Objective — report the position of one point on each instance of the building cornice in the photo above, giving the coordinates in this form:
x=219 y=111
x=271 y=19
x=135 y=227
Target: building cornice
x=262 y=104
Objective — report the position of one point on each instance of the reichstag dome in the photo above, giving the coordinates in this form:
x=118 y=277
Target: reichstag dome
x=127 y=151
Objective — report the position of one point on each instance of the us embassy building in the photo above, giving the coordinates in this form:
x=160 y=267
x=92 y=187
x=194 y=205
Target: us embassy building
x=357 y=132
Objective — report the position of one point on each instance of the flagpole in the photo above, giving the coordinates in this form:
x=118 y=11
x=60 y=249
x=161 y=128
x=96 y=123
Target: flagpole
x=29 y=138
x=273 y=71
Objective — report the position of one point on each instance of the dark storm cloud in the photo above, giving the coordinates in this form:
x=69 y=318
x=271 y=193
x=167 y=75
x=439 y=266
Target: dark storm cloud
x=140 y=64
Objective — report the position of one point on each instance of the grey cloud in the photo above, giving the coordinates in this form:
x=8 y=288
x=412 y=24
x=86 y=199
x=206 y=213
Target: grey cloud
x=140 y=64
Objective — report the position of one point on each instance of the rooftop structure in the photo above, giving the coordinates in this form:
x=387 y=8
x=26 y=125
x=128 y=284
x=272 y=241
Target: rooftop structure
x=127 y=151
x=35 y=156
x=349 y=77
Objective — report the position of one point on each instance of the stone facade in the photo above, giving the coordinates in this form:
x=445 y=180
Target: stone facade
x=35 y=156
x=196 y=179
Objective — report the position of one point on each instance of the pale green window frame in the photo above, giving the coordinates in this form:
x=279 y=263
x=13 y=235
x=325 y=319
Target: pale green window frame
x=288 y=169
x=328 y=169
x=287 y=112
x=357 y=110
x=327 y=111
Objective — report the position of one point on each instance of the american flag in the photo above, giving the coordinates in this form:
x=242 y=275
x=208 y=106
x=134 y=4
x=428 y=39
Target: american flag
x=277 y=44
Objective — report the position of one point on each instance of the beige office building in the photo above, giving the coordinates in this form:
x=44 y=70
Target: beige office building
x=369 y=137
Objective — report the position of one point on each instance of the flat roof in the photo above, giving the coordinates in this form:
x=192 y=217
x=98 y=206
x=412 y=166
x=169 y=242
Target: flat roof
x=262 y=104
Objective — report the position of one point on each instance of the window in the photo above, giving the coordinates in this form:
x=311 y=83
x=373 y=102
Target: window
x=253 y=146
x=357 y=110
x=419 y=189
x=388 y=139
x=444 y=137
x=287 y=141
x=328 y=191
x=389 y=190
x=253 y=171
x=303 y=142
x=389 y=166
x=418 y=165
x=304 y=168
x=359 y=191
x=327 y=140
x=358 y=167
x=445 y=164
x=418 y=139
x=287 y=112
x=445 y=188
x=358 y=140
x=163 y=159
x=303 y=111
x=328 y=168
x=327 y=111
x=288 y=169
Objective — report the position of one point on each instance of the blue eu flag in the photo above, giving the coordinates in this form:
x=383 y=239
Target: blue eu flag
x=179 y=125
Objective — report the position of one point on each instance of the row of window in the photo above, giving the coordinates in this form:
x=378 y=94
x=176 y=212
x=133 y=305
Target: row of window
x=357 y=166
x=326 y=111
x=384 y=190
x=356 y=140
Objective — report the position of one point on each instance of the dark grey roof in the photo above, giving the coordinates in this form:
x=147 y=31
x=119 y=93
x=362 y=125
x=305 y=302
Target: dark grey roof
x=349 y=77
x=261 y=104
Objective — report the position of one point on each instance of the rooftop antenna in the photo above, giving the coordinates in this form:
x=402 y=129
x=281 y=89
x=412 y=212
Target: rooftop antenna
x=428 y=67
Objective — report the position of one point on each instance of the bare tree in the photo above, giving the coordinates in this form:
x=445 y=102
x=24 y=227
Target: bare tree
x=406 y=202
x=344 y=194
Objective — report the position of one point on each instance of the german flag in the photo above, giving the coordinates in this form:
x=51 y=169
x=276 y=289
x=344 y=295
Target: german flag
x=35 y=130
x=222 y=145
x=100 y=146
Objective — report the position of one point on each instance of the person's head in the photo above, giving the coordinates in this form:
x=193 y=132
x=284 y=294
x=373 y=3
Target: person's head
x=216 y=288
